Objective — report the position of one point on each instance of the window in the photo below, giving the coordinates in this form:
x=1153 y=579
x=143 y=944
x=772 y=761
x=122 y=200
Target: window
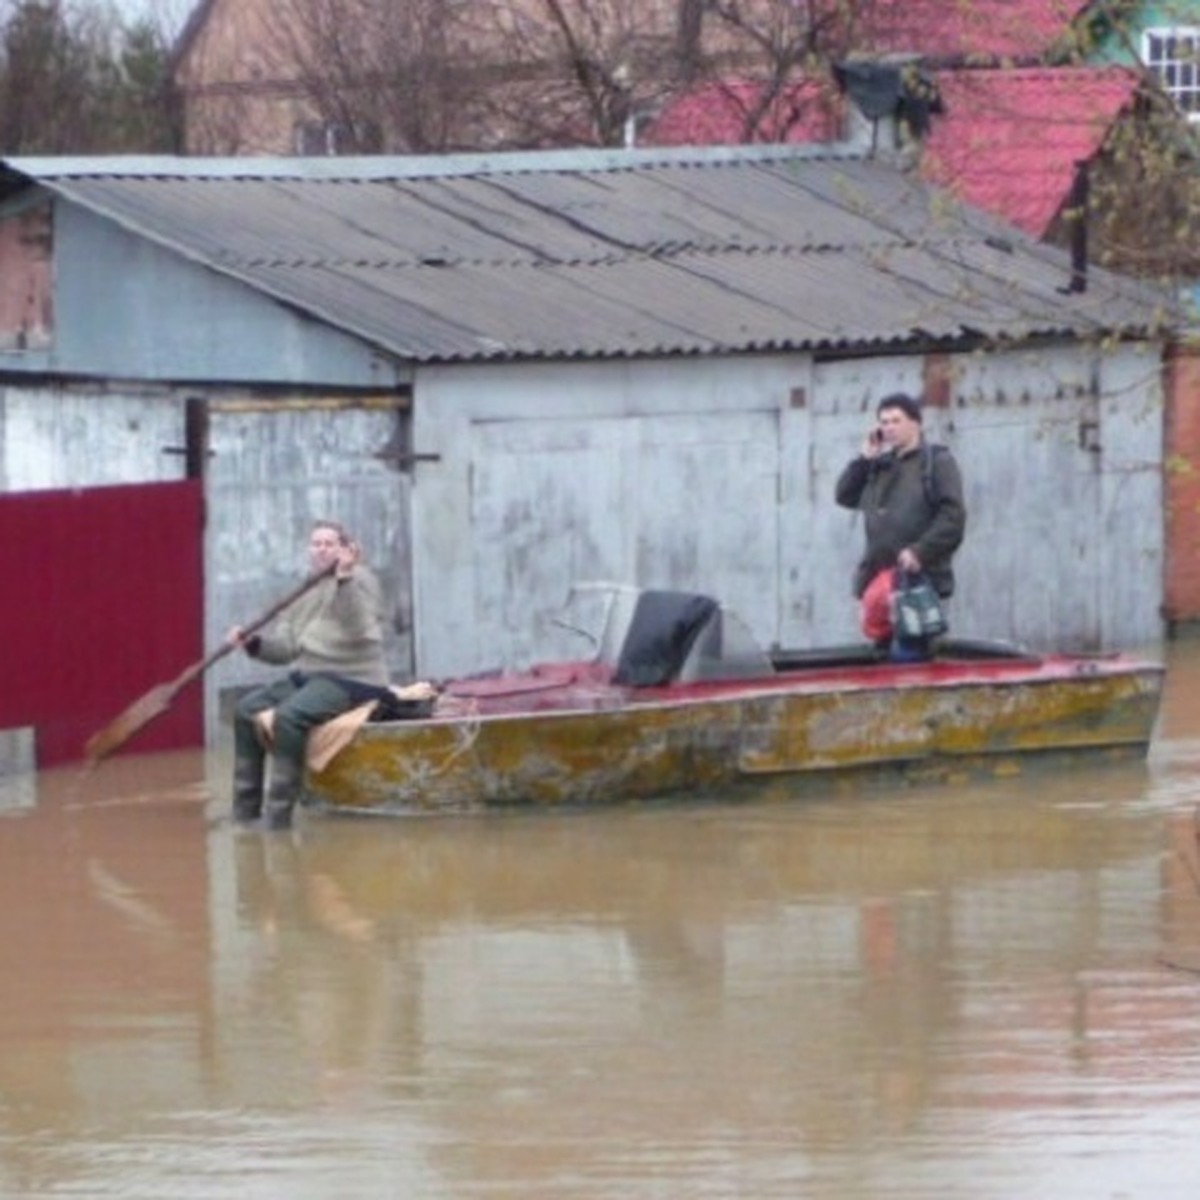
x=332 y=138
x=320 y=138
x=1174 y=57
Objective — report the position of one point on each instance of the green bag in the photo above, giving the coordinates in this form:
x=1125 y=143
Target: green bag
x=916 y=609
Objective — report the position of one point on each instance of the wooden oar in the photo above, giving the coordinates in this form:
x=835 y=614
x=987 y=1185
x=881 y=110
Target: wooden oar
x=160 y=697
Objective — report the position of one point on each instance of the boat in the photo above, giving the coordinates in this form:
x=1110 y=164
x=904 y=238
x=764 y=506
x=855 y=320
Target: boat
x=674 y=698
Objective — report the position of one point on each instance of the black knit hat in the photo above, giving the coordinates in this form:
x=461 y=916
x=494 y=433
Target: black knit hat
x=908 y=405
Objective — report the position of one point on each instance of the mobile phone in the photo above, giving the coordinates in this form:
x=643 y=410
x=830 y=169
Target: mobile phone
x=876 y=435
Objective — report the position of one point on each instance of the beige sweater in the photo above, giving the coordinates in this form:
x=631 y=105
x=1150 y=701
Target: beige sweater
x=337 y=628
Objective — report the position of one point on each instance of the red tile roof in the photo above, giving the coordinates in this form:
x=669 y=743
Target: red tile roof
x=1010 y=136
x=1009 y=140
x=1004 y=29
x=715 y=114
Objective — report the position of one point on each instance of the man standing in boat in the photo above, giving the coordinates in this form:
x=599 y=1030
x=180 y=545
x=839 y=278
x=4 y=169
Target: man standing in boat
x=911 y=497
x=333 y=638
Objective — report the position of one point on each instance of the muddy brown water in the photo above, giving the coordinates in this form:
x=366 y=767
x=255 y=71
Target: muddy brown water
x=985 y=990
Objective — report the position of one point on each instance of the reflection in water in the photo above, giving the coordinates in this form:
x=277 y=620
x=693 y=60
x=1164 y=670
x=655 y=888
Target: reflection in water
x=987 y=990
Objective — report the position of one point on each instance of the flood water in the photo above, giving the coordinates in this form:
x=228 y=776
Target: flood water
x=986 y=990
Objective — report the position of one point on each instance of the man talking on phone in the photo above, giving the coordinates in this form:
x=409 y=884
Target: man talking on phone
x=911 y=497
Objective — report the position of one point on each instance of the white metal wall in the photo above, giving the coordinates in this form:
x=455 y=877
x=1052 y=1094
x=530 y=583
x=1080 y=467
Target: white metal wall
x=662 y=473
x=1061 y=454
x=664 y=499
x=275 y=466
x=62 y=436
x=710 y=475
x=718 y=476
x=126 y=307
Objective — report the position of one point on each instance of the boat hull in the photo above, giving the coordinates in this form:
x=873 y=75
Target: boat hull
x=596 y=750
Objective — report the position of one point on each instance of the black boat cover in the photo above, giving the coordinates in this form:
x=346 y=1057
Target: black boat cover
x=663 y=630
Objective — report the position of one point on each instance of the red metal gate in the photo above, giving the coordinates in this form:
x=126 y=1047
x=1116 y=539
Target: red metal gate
x=102 y=598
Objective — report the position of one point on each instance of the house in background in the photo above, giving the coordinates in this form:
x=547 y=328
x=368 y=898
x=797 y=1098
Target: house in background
x=509 y=373
x=1064 y=117
x=260 y=78
x=1000 y=103
x=238 y=86
x=1162 y=37
x=1074 y=122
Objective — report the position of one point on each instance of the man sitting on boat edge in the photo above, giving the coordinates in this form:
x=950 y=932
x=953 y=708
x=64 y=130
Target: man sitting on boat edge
x=333 y=638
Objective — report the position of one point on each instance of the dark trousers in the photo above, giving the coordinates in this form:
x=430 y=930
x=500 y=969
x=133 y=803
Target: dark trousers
x=300 y=702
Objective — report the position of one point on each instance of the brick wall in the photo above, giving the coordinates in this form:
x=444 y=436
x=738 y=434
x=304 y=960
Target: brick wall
x=1181 y=486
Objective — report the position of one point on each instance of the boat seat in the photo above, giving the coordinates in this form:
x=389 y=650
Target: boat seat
x=663 y=630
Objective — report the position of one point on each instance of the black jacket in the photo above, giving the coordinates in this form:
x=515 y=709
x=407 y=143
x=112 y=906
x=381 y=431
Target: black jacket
x=906 y=504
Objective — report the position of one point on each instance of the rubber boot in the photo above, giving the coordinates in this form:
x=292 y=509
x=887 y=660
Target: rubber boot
x=247 y=789
x=282 y=794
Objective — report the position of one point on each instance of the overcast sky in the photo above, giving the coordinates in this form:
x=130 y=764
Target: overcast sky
x=172 y=12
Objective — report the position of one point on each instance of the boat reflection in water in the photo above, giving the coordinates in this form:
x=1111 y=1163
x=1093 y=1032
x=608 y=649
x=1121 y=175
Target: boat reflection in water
x=678 y=699
x=834 y=995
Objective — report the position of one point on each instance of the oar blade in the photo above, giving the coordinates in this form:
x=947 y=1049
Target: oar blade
x=156 y=701
x=136 y=717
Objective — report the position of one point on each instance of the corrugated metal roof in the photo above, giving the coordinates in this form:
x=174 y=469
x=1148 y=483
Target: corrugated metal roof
x=603 y=255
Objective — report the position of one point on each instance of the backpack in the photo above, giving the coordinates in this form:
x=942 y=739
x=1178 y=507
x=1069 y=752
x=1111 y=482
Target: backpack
x=928 y=451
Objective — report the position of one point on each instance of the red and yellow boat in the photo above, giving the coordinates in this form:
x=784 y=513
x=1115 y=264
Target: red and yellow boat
x=677 y=700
